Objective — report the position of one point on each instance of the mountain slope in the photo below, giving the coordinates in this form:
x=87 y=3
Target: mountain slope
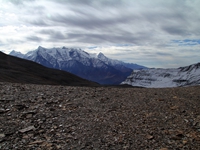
x=159 y=78
x=92 y=67
x=13 y=69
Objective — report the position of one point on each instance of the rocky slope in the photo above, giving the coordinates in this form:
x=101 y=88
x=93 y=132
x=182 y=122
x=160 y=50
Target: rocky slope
x=71 y=118
x=94 y=67
x=183 y=76
x=13 y=69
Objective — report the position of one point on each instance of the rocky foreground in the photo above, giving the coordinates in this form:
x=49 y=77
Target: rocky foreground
x=63 y=117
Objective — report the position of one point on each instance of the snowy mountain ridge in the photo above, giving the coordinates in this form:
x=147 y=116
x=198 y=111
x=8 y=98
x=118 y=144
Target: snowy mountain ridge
x=160 y=78
x=94 y=67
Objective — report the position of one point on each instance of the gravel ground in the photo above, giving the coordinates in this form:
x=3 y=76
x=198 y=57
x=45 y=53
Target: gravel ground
x=105 y=118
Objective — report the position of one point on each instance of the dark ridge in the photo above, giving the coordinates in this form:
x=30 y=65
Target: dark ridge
x=13 y=69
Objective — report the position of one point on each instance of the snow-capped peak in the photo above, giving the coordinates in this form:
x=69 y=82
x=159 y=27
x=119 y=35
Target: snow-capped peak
x=101 y=56
x=15 y=53
x=95 y=67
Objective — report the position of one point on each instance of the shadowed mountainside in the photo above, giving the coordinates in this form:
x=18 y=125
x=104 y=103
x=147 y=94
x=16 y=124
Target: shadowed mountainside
x=13 y=69
x=90 y=66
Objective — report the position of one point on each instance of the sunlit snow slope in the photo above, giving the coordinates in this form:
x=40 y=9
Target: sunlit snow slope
x=160 y=78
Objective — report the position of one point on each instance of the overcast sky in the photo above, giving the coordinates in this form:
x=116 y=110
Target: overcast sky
x=154 y=33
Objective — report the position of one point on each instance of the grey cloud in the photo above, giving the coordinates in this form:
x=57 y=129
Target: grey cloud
x=87 y=38
x=2 y=43
x=38 y=22
x=14 y=42
x=115 y=35
x=171 y=21
x=193 y=51
x=53 y=35
x=164 y=17
x=36 y=10
x=92 y=15
x=91 y=2
x=18 y=2
x=176 y=23
x=173 y=18
x=58 y=36
x=46 y=31
x=79 y=2
x=108 y=22
x=104 y=38
x=163 y=54
x=145 y=57
x=106 y=27
x=148 y=53
x=175 y=30
x=34 y=38
x=90 y=21
x=109 y=33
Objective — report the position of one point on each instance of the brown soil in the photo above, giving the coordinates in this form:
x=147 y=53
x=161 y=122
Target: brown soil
x=63 y=117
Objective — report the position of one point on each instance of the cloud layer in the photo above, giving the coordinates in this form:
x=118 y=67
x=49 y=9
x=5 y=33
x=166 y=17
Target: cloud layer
x=155 y=33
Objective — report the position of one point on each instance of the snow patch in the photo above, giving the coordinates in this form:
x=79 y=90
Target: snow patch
x=160 y=78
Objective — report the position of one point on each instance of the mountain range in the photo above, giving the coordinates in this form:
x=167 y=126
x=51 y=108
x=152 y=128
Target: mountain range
x=160 y=78
x=93 y=67
x=13 y=69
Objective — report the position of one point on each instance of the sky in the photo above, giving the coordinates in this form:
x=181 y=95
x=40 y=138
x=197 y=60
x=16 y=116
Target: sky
x=153 y=33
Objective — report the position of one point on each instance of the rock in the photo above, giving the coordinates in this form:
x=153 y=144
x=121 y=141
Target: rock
x=36 y=142
x=184 y=142
x=149 y=137
x=160 y=99
x=27 y=129
x=9 y=131
x=20 y=106
x=29 y=116
x=176 y=138
x=163 y=149
x=173 y=107
x=2 y=110
x=2 y=135
x=2 y=138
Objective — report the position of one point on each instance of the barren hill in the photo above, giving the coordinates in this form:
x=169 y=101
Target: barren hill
x=67 y=117
x=13 y=69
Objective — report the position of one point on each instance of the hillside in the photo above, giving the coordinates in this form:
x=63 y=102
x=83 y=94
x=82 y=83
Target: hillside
x=160 y=78
x=13 y=69
x=64 y=117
